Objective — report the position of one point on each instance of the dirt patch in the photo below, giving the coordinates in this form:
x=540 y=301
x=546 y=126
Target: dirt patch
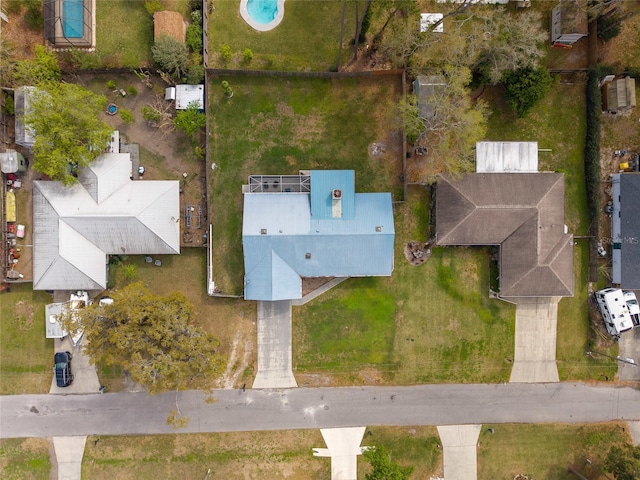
x=238 y=361
x=24 y=314
x=417 y=253
x=20 y=37
x=371 y=376
x=311 y=284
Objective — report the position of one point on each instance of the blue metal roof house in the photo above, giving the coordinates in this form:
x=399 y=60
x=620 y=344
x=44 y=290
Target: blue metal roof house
x=312 y=225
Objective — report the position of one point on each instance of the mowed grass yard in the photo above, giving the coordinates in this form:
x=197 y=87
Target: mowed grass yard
x=432 y=323
x=26 y=356
x=124 y=31
x=307 y=39
x=24 y=458
x=284 y=125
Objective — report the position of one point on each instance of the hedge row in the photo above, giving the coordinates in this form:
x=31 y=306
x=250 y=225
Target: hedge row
x=592 y=145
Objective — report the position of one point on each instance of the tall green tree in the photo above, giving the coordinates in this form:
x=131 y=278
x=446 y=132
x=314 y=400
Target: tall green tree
x=525 y=87
x=171 y=55
x=191 y=120
x=68 y=131
x=623 y=462
x=151 y=337
x=450 y=131
x=383 y=467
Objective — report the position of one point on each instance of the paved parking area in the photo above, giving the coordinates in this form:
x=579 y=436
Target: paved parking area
x=85 y=375
x=274 y=346
x=535 y=343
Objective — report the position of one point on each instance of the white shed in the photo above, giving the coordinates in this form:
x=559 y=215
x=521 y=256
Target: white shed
x=184 y=95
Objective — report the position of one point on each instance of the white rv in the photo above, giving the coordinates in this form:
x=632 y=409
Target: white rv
x=612 y=303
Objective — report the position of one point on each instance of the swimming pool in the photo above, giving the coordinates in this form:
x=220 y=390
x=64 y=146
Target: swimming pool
x=73 y=18
x=262 y=15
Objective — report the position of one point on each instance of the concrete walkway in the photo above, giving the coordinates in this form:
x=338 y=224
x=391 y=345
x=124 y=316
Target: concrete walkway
x=459 y=451
x=535 y=345
x=343 y=446
x=274 y=346
x=69 y=453
x=318 y=291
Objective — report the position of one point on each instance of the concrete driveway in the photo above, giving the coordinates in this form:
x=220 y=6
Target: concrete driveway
x=630 y=351
x=85 y=375
x=535 y=345
x=459 y=451
x=274 y=346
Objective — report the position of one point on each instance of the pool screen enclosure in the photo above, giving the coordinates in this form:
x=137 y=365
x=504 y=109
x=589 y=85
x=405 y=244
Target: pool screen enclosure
x=70 y=23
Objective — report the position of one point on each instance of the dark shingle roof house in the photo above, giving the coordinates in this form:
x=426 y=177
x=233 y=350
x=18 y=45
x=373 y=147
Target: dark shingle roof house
x=523 y=213
x=625 y=229
x=312 y=225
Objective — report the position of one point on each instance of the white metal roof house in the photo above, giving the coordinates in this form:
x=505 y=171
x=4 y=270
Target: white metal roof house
x=312 y=225
x=625 y=230
x=76 y=228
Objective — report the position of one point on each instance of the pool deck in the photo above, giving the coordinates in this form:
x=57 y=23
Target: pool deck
x=262 y=27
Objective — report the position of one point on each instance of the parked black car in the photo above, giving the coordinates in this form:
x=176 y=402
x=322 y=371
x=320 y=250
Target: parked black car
x=62 y=368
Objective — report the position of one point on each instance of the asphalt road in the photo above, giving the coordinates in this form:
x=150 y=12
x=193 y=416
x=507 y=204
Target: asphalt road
x=300 y=408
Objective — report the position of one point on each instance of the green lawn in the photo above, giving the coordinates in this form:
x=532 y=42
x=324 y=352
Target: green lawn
x=273 y=455
x=26 y=356
x=124 y=33
x=307 y=39
x=24 y=458
x=544 y=451
x=432 y=323
x=283 y=125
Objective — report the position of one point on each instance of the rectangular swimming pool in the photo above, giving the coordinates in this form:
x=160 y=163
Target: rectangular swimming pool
x=73 y=18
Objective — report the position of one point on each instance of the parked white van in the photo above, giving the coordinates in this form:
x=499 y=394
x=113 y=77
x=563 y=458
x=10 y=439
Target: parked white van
x=615 y=311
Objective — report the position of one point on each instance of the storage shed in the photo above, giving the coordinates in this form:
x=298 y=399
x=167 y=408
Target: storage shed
x=184 y=95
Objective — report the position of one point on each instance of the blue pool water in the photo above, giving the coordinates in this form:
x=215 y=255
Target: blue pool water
x=262 y=11
x=73 y=18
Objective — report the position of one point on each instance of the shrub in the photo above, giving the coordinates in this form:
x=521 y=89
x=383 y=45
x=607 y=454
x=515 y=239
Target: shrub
x=226 y=53
x=247 y=55
x=171 y=55
x=195 y=75
x=196 y=17
x=8 y=107
x=153 y=6
x=111 y=84
x=194 y=37
x=190 y=121
x=225 y=84
x=200 y=152
x=525 y=87
x=129 y=271
x=126 y=115
x=609 y=25
x=44 y=68
x=132 y=90
x=33 y=16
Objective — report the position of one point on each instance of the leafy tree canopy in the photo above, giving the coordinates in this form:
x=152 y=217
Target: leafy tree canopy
x=191 y=120
x=486 y=39
x=68 y=131
x=171 y=55
x=525 y=87
x=623 y=461
x=151 y=337
x=43 y=68
x=450 y=130
x=383 y=467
